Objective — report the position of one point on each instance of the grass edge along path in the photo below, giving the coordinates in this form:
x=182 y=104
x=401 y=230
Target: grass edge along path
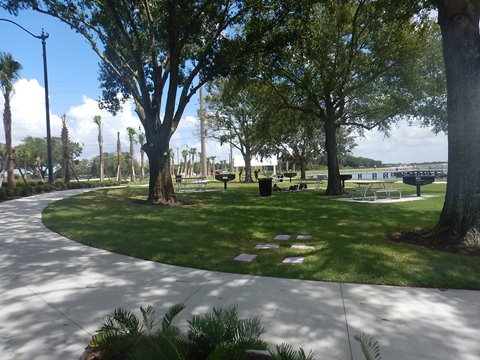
x=212 y=228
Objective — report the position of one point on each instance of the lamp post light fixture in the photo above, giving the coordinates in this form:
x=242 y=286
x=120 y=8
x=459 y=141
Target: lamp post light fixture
x=43 y=37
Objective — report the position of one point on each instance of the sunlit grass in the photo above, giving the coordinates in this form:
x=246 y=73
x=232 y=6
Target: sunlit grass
x=213 y=227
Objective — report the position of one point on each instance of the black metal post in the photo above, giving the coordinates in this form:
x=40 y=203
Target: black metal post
x=43 y=37
x=47 y=108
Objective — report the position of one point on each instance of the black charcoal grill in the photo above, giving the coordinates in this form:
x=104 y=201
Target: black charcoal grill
x=290 y=175
x=225 y=178
x=344 y=177
x=418 y=181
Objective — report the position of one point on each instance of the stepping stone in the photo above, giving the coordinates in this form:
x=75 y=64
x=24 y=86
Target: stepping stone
x=282 y=237
x=304 y=237
x=293 y=260
x=245 y=257
x=303 y=247
x=266 y=246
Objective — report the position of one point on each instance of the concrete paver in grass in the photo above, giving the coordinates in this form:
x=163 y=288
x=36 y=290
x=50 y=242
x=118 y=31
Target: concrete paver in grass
x=293 y=260
x=282 y=237
x=303 y=247
x=304 y=237
x=266 y=246
x=245 y=257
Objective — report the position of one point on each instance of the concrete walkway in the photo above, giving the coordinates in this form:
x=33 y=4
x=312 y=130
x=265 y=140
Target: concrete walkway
x=55 y=292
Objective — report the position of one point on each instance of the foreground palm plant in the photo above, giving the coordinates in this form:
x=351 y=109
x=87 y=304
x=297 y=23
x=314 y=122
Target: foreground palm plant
x=218 y=335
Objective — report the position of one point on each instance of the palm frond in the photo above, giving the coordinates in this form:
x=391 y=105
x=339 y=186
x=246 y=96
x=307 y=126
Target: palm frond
x=171 y=314
x=286 y=352
x=148 y=316
x=370 y=347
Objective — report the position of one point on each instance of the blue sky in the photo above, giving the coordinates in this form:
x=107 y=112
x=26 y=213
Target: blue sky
x=73 y=85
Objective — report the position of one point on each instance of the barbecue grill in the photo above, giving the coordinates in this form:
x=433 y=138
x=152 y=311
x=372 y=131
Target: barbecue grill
x=344 y=177
x=418 y=181
x=225 y=178
x=290 y=175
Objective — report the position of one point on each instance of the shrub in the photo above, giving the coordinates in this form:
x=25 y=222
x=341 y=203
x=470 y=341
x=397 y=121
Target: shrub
x=60 y=185
x=217 y=335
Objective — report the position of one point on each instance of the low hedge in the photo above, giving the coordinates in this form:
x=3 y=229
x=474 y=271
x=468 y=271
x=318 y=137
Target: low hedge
x=34 y=187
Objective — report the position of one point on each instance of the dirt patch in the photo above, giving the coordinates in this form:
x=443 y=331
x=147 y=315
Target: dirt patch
x=435 y=242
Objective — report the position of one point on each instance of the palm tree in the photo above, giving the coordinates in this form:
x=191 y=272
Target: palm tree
x=184 y=156
x=97 y=119
x=193 y=152
x=119 y=157
x=141 y=140
x=131 y=136
x=9 y=72
x=66 y=156
x=211 y=159
x=171 y=155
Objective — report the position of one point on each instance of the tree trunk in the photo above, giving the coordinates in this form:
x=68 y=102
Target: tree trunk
x=142 y=164
x=247 y=158
x=132 y=161
x=160 y=188
x=119 y=158
x=334 y=186
x=101 y=157
x=66 y=155
x=7 y=123
x=460 y=217
x=303 y=168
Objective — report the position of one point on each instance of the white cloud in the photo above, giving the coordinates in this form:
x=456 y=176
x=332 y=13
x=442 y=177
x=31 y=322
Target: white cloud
x=82 y=129
x=406 y=144
x=28 y=112
x=28 y=119
x=188 y=134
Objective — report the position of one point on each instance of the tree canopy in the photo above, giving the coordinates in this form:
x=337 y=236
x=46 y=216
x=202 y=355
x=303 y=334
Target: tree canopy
x=31 y=154
x=158 y=53
x=354 y=64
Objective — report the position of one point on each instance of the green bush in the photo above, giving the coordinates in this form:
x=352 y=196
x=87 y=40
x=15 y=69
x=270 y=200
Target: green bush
x=60 y=185
x=3 y=193
x=217 y=335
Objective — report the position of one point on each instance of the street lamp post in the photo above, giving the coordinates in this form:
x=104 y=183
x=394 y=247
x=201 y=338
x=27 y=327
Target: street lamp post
x=43 y=37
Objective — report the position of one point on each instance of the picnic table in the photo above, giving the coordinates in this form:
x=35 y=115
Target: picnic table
x=316 y=180
x=375 y=187
x=198 y=183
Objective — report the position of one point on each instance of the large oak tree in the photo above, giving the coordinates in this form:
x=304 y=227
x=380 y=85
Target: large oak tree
x=157 y=53
x=460 y=217
x=354 y=64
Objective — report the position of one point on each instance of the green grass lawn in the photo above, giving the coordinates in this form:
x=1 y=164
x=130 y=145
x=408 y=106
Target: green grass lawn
x=213 y=227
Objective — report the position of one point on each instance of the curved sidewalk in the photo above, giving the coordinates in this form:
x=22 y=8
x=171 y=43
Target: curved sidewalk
x=55 y=292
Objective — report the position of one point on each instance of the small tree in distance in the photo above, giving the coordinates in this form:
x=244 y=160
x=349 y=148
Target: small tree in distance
x=97 y=119
x=9 y=72
x=235 y=112
x=131 y=137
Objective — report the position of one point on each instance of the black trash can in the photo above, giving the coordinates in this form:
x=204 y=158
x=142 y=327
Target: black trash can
x=265 y=187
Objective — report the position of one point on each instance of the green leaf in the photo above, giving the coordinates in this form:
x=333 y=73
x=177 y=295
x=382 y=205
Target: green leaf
x=370 y=347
